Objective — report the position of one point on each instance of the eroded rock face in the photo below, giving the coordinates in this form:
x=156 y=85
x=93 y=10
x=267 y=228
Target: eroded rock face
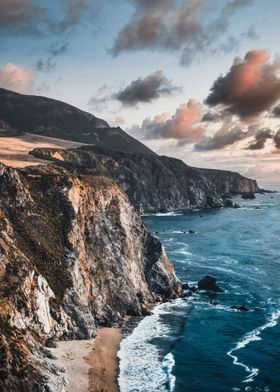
x=74 y=254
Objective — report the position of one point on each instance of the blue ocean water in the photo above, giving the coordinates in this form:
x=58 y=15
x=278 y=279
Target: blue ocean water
x=189 y=345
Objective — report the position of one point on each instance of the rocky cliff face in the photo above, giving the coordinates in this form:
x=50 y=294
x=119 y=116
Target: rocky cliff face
x=74 y=254
x=227 y=182
x=154 y=183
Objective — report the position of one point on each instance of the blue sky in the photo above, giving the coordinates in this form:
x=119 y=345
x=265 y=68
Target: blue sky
x=87 y=30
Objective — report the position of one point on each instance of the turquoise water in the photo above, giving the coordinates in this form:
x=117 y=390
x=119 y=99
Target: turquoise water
x=191 y=345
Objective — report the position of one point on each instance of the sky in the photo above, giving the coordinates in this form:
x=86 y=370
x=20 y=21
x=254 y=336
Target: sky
x=195 y=79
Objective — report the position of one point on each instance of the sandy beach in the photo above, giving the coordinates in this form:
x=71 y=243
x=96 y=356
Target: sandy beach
x=90 y=365
x=103 y=361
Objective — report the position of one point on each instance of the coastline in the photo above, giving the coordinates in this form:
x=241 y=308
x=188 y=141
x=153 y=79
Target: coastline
x=90 y=365
x=103 y=360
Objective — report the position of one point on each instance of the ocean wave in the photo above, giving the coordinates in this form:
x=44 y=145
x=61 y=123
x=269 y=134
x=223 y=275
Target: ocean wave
x=249 y=337
x=142 y=367
x=171 y=213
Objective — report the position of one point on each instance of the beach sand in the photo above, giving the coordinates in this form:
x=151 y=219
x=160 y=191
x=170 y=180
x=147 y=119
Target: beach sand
x=90 y=365
x=103 y=361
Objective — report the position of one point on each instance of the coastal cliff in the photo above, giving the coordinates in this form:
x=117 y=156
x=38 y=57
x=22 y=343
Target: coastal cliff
x=74 y=255
x=153 y=183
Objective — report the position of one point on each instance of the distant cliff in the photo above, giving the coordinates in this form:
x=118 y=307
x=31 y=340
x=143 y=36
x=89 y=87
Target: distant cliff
x=74 y=254
x=154 y=183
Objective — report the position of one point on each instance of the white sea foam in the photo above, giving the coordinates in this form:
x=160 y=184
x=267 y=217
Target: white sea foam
x=249 y=337
x=171 y=213
x=142 y=368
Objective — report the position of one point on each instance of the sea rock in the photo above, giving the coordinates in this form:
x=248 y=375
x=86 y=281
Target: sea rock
x=248 y=195
x=242 y=308
x=228 y=203
x=209 y=283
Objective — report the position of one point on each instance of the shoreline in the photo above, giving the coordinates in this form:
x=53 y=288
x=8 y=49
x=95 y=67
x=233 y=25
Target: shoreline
x=90 y=365
x=103 y=360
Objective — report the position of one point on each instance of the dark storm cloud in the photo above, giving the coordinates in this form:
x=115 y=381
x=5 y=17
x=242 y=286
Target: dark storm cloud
x=260 y=139
x=173 y=25
x=146 y=89
x=251 y=86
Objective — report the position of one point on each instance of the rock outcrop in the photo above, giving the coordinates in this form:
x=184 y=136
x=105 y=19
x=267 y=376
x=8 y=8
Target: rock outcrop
x=154 y=183
x=74 y=254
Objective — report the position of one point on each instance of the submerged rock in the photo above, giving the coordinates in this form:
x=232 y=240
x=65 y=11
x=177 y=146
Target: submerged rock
x=242 y=308
x=209 y=283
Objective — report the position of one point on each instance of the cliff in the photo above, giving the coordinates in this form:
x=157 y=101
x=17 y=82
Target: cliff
x=74 y=254
x=153 y=183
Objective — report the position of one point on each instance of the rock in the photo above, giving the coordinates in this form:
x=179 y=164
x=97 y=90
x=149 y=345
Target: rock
x=192 y=231
x=213 y=302
x=185 y=286
x=248 y=195
x=50 y=343
x=209 y=283
x=193 y=289
x=235 y=205
x=228 y=203
x=242 y=308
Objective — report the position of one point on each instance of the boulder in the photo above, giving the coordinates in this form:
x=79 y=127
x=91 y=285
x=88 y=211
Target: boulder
x=248 y=195
x=209 y=283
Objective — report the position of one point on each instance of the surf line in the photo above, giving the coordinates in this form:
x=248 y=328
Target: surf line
x=248 y=338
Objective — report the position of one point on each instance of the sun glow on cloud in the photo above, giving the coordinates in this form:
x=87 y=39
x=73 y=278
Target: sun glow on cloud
x=17 y=78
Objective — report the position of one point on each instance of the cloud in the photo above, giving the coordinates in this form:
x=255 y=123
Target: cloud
x=17 y=78
x=260 y=139
x=276 y=139
x=183 y=125
x=26 y=17
x=20 y=15
x=59 y=48
x=73 y=12
x=48 y=63
x=211 y=117
x=222 y=138
x=176 y=26
x=45 y=65
x=146 y=89
x=251 y=86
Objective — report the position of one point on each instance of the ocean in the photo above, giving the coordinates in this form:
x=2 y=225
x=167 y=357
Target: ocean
x=190 y=345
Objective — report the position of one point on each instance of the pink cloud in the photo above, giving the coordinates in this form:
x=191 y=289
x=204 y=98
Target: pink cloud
x=17 y=78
